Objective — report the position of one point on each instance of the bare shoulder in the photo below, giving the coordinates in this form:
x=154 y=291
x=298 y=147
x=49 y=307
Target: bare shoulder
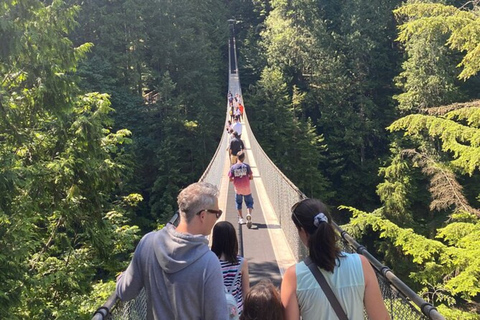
x=245 y=264
x=290 y=274
x=364 y=260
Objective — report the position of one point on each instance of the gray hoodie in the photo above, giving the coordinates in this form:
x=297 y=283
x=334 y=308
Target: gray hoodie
x=182 y=277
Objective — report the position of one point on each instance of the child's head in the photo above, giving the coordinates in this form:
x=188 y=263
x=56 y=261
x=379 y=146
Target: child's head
x=262 y=302
x=224 y=241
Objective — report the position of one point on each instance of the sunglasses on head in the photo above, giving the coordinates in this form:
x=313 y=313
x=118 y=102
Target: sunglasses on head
x=217 y=213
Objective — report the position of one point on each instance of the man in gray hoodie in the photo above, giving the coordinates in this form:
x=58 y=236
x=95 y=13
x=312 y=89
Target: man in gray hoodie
x=181 y=275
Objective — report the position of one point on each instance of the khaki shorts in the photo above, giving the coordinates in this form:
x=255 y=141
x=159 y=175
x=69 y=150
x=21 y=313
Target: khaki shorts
x=233 y=159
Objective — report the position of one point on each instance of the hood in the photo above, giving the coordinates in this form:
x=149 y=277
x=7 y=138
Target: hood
x=175 y=251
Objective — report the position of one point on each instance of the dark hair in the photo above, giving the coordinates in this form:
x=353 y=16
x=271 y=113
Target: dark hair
x=241 y=155
x=322 y=240
x=224 y=241
x=262 y=302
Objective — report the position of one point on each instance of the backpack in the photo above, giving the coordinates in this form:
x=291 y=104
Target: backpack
x=231 y=301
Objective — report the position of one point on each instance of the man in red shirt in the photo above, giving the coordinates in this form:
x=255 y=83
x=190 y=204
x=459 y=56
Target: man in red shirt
x=241 y=174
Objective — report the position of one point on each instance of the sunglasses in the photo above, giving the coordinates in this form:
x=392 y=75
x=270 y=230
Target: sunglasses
x=217 y=213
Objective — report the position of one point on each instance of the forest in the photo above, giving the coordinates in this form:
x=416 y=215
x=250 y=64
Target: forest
x=109 y=108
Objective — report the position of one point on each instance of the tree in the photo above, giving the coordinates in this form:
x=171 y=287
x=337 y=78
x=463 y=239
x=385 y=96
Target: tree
x=438 y=155
x=337 y=56
x=286 y=139
x=172 y=51
x=60 y=167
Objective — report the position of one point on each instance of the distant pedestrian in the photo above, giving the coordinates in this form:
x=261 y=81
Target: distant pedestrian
x=231 y=111
x=237 y=126
x=235 y=146
x=237 y=113
x=225 y=246
x=263 y=302
x=241 y=174
x=240 y=108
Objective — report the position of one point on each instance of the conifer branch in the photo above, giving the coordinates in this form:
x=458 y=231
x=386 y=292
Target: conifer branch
x=442 y=110
x=444 y=187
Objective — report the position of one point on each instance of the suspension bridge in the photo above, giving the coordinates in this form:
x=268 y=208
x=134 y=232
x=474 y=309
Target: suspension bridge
x=272 y=244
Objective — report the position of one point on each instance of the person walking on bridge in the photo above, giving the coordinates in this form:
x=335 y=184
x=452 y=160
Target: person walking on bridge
x=241 y=174
x=236 y=145
x=182 y=277
x=349 y=278
x=237 y=126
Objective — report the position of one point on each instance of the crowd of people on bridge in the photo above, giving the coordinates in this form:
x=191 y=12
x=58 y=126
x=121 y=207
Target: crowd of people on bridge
x=235 y=106
x=184 y=279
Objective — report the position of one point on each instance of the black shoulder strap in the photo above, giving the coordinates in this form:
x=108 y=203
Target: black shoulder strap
x=326 y=289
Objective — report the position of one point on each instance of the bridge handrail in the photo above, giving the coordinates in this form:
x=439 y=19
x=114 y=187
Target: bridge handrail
x=427 y=308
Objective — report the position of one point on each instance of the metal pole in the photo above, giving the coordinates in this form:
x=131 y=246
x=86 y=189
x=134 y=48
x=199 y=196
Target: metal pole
x=240 y=240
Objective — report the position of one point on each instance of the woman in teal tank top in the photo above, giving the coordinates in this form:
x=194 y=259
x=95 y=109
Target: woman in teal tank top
x=350 y=276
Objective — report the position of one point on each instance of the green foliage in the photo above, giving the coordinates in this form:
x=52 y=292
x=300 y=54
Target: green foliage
x=461 y=140
x=450 y=313
x=61 y=163
x=396 y=190
x=449 y=268
x=461 y=26
x=172 y=50
x=291 y=143
x=336 y=57
x=428 y=76
x=434 y=165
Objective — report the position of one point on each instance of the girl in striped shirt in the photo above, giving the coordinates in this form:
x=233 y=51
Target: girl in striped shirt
x=225 y=246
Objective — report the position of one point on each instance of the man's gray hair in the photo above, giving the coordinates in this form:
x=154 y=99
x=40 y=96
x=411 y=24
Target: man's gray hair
x=196 y=197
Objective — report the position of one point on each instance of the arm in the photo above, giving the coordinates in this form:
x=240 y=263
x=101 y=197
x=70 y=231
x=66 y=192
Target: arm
x=373 y=300
x=215 y=307
x=245 y=279
x=130 y=282
x=288 y=294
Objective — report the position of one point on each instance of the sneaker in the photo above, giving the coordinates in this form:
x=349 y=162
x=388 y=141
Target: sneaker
x=240 y=221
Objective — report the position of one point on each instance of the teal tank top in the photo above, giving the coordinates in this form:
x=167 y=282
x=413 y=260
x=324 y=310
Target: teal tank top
x=347 y=282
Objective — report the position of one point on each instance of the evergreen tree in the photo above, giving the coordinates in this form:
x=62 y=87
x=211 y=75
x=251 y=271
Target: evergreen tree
x=342 y=62
x=138 y=46
x=429 y=194
x=291 y=143
x=61 y=163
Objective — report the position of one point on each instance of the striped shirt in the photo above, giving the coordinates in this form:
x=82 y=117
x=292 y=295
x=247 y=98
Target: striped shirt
x=229 y=270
